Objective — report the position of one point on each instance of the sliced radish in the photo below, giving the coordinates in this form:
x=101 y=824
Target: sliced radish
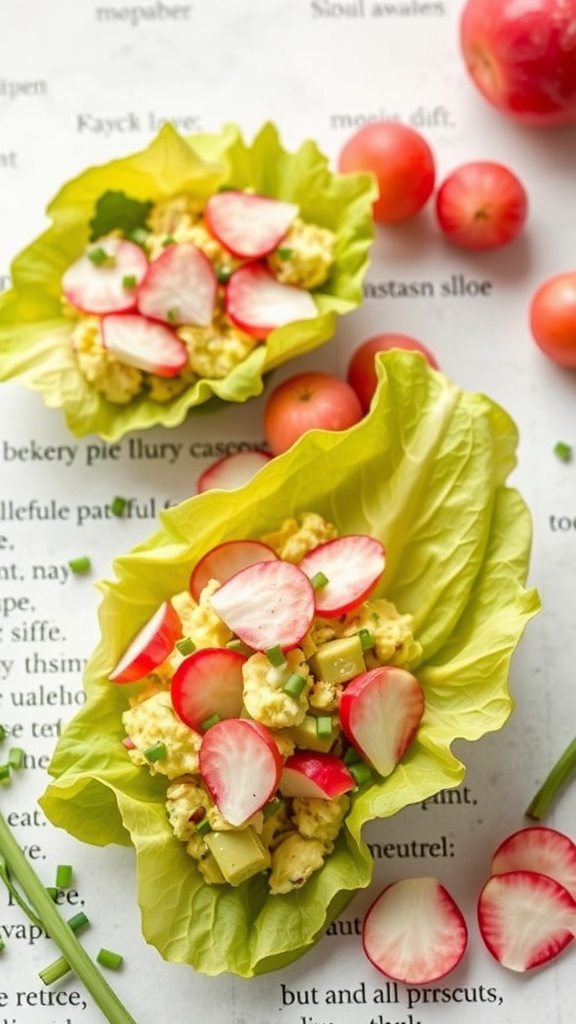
x=269 y=604
x=414 y=932
x=321 y=776
x=248 y=225
x=142 y=343
x=540 y=849
x=352 y=566
x=209 y=682
x=150 y=647
x=105 y=278
x=257 y=303
x=232 y=471
x=240 y=765
x=525 y=918
x=380 y=712
x=179 y=287
x=225 y=560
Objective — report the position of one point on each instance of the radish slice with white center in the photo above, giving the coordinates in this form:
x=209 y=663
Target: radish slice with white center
x=180 y=287
x=541 y=849
x=315 y=775
x=257 y=303
x=414 y=931
x=232 y=471
x=150 y=647
x=525 y=919
x=269 y=604
x=380 y=711
x=225 y=560
x=250 y=226
x=105 y=278
x=352 y=566
x=209 y=682
x=240 y=765
x=148 y=346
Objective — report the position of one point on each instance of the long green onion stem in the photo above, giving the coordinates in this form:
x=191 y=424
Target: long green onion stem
x=542 y=801
x=71 y=949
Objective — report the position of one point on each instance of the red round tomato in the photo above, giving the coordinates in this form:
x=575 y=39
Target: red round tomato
x=306 y=401
x=362 y=375
x=553 y=318
x=481 y=205
x=402 y=162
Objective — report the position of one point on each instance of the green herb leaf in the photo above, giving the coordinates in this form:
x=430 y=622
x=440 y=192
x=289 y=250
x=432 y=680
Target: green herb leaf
x=115 y=211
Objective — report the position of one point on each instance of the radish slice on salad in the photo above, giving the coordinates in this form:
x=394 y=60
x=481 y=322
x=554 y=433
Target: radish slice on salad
x=316 y=775
x=150 y=347
x=105 y=278
x=525 y=918
x=351 y=565
x=414 y=931
x=150 y=647
x=541 y=849
x=179 y=287
x=232 y=470
x=225 y=560
x=206 y=684
x=240 y=765
x=257 y=303
x=380 y=711
x=269 y=604
x=250 y=226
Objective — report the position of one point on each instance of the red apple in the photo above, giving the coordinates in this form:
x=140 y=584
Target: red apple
x=521 y=54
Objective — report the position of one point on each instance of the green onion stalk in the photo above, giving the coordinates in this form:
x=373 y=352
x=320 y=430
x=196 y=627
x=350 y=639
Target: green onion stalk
x=43 y=911
x=553 y=783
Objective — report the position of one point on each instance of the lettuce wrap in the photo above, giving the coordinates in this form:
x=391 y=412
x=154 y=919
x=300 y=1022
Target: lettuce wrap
x=35 y=332
x=425 y=472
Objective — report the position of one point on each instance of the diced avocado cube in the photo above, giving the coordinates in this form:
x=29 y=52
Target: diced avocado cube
x=306 y=735
x=338 y=661
x=210 y=870
x=238 y=853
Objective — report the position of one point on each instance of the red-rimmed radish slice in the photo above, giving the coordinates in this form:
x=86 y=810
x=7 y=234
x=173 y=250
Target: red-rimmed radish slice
x=150 y=647
x=144 y=344
x=250 y=226
x=180 y=287
x=240 y=765
x=225 y=560
x=316 y=775
x=380 y=711
x=269 y=604
x=525 y=918
x=232 y=471
x=257 y=303
x=105 y=278
x=209 y=682
x=541 y=849
x=352 y=565
x=414 y=931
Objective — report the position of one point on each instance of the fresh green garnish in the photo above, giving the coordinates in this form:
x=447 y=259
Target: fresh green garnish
x=109 y=959
x=366 y=639
x=118 y=506
x=360 y=772
x=157 y=752
x=284 y=253
x=324 y=726
x=553 y=783
x=223 y=274
x=203 y=827
x=4 y=772
x=276 y=656
x=171 y=316
x=80 y=565
x=186 y=645
x=294 y=685
x=55 y=971
x=168 y=240
x=100 y=258
x=16 y=758
x=209 y=722
x=64 y=876
x=563 y=451
x=115 y=211
x=318 y=580
x=129 y=281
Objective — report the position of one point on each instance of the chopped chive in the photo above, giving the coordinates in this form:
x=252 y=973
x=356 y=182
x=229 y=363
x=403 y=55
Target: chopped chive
x=64 y=876
x=118 y=505
x=284 y=253
x=138 y=235
x=203 y=827
x=4 y=772
x=129 y=281
x=100 y=258
x=186 y=645
x=294 y=685
x=351 y=756
x=171 y=316
x=2 y=945
x=276 y=656
x=240 y=646
x=563 y=451
x=318 y=580
x=109 y=959
x=554 y=782
x=223 y=274
x=157 y=752
x=54 y=971
x=272 y=807
x=366 y=639
x=16 y=757
x=78 y=921
x=168 y=240
x=80 y=565
x=3 y=733
x=360 y=772
x=209 y=722
x=324 y=726
x=52 y=892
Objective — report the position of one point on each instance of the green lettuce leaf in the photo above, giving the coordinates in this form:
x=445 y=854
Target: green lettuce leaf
x=34 y=333
x=426 y=473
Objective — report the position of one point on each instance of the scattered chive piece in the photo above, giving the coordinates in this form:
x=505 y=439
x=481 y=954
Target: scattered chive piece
x=118 y=505
x=324 y=726
x=157 y=752
x=284 y=253
x=109 y=959
x=351 y=756
x=80 y=565
x=2 y=945
x=240 y=646
x=3 y=733
x=100 y=258
x=186 y=645
x=565 y=766
x=167 y=241
x=366 y=639
x=360 y=772
x=129 y=281
x=64 y=876
x=171 y=316
x=208 y=722
x=4 y=772
x=563 y=451
x=138 y=235
x=276 y=656
x=294 y=684
x=52 y=892
x=16 y=757
x=78 y=921
x=203 y=827
x=318 y=580
x=54 y=971
x=223 y=274
x=272 y=807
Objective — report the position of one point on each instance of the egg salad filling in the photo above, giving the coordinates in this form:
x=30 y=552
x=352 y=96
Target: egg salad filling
x=290 y=835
